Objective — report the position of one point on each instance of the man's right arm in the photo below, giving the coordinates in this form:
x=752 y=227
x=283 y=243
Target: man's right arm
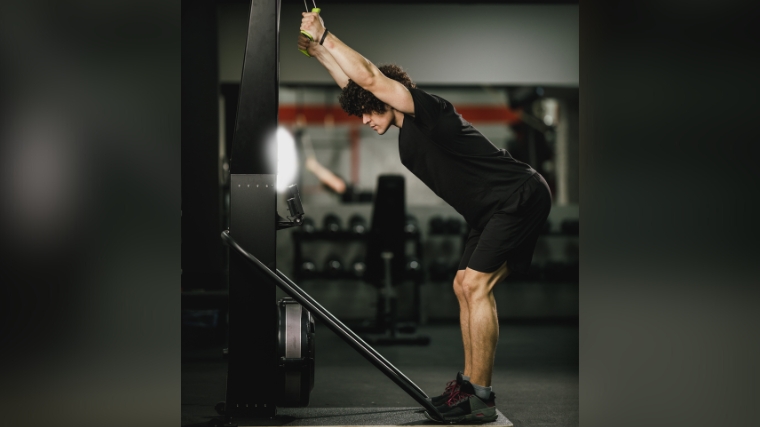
x=325 y=58
x=358 y=68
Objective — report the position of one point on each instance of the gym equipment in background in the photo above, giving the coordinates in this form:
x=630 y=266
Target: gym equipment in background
x=358 y=267
x=293 y=200
x=357 y=224
x=411 y=226
x=295 y=353
x=414 y=269
x=333 y=265
x=308 y=225
x=357 y=231
x=386 y=262
x=331 y=223
x=307 y=268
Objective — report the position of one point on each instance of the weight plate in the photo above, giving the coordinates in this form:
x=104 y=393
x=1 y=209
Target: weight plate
x=295 y=351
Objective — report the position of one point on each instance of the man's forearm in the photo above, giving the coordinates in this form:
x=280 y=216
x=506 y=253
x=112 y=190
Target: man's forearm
x=326 y=59
x=351 y=63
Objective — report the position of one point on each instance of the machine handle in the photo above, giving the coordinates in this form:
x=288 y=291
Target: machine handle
x=307 y=34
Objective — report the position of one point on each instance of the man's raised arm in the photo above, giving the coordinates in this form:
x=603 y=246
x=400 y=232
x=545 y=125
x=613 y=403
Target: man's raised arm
x=324 y=58
x=358 y=68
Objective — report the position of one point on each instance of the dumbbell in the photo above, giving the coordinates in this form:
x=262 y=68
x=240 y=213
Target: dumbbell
x=357 y=224
x=410 y=225
x=331 y=223
x=358 y=267
x=307 y=267
x=333 y=265
x=413 y=268
x=308 y=226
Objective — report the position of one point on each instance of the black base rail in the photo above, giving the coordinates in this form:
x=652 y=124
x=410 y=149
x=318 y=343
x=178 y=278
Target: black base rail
x=335 y=325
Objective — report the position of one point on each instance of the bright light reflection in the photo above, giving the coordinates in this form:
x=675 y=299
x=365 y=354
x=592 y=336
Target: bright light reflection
x=286 y=159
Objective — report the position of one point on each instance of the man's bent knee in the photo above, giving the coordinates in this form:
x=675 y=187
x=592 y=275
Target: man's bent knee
x=473 y=288
x=480 y=284
x=458 y=279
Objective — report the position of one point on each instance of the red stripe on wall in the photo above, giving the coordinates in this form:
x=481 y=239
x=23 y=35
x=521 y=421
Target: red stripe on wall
x=488 y=114
x=317 y=114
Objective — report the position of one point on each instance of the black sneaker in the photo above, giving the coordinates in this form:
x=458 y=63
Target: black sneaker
x=451 y=387
x=463 y=405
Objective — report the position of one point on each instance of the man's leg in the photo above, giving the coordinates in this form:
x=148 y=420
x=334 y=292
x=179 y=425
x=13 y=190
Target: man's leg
x=482 y=322
x=464 y=320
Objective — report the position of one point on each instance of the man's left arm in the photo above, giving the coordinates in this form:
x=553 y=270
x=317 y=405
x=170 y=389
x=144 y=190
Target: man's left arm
x=358 y=68
x=324 y=58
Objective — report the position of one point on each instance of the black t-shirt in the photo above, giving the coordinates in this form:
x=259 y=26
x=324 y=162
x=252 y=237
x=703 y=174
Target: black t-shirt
x=456 y=161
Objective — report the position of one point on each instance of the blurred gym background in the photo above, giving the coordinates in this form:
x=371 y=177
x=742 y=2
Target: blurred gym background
x=510 y=68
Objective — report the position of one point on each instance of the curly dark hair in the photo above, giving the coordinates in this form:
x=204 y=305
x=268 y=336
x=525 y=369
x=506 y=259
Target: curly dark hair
x=355 y=100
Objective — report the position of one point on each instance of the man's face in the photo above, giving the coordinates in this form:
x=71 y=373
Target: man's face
x=379 y=122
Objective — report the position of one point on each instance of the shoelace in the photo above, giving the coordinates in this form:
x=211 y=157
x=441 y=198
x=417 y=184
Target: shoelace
x=450 y=386
x=457 y=396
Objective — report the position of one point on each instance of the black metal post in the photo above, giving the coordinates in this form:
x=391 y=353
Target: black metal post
x=253 y=166
x=202 y=261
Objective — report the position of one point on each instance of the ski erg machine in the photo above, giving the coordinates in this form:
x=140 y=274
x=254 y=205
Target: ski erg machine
x=271 y=342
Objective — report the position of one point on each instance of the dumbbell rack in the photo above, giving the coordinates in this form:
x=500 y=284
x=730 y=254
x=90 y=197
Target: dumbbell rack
x=300 y=238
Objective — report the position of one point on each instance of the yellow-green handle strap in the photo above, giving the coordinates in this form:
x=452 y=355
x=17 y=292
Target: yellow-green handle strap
x=314 y=10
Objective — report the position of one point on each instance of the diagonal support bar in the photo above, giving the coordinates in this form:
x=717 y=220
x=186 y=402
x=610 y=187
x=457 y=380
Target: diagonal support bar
x=335 y=325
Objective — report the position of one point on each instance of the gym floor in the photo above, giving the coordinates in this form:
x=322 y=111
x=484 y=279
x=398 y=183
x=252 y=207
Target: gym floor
x=535 y=377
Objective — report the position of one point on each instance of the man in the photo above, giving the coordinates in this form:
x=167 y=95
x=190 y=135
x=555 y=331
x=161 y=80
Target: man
x=504 y=201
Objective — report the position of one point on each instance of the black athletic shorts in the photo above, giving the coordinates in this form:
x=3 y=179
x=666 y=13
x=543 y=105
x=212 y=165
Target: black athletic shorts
x=512 y=232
